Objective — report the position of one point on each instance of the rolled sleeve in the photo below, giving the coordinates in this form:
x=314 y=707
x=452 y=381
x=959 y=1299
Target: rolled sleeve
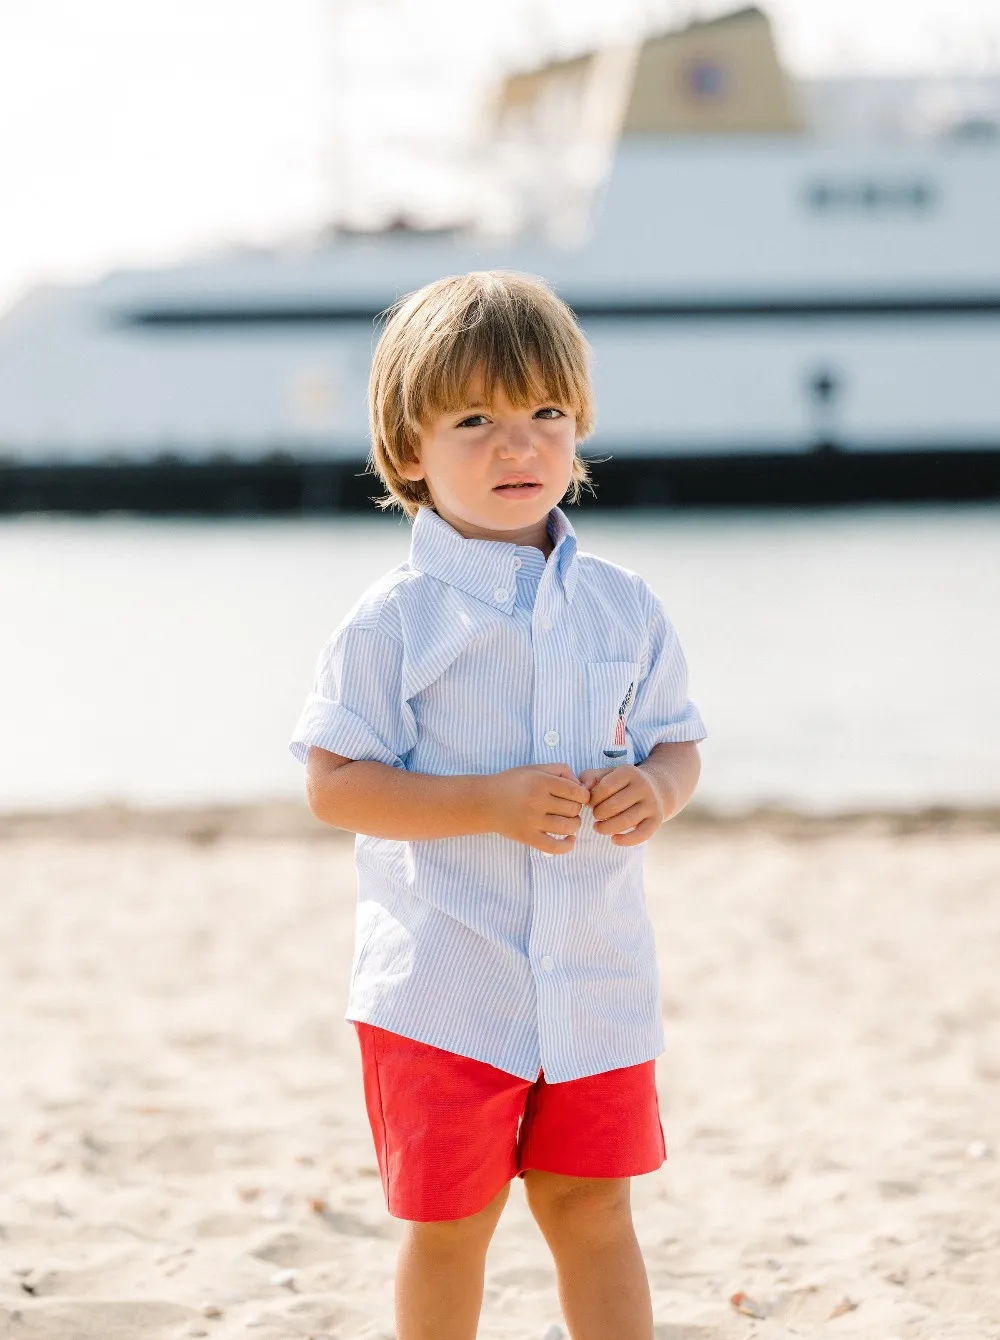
x=356 y=708
x=663 y=713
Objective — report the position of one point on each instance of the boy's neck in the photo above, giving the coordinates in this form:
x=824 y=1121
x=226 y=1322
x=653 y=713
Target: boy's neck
x=534 y=536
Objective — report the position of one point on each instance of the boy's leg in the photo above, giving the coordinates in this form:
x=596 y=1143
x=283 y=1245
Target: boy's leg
x=445 y=1130
x=587 y=1223
x=439 y=1275
x=579 y=1145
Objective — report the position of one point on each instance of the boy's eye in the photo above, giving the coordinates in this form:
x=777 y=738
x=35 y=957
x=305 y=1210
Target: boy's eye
x=477 y=420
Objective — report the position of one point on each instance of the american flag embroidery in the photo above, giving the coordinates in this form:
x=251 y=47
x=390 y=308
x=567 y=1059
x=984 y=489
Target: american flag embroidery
x=619 y=750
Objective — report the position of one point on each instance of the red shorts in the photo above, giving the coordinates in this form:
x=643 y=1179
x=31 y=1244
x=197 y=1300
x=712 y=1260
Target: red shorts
x=451 y=1132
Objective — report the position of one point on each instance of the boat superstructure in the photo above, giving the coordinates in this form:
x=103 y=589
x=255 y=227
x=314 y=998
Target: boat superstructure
x=752 y=291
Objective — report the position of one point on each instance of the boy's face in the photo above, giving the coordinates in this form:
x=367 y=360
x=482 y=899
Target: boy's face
x=495 y=471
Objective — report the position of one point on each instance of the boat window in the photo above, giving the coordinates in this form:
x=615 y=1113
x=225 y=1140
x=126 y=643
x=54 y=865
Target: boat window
x=870 y=196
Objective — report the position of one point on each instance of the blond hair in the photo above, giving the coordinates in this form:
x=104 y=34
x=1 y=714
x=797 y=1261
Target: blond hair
x=509 y=329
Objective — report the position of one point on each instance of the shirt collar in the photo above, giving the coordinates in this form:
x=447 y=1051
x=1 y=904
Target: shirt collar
x=485 y=569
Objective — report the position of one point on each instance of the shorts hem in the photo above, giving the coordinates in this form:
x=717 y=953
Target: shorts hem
x=640 y=1170
x=425 y=1218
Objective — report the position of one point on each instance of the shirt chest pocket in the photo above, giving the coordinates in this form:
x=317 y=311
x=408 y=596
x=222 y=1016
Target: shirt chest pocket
x=611 y=687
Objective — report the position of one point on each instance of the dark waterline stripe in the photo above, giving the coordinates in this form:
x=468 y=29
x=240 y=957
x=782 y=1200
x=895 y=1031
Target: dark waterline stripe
x=987 y=304
x=286 y=486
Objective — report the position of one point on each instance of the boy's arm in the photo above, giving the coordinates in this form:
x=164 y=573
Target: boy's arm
x=631 y=802
x=526 y=804
x=674 y=770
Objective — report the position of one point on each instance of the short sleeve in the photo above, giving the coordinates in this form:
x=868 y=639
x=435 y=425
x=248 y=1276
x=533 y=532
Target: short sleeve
x=662 y=712
x=356 y=707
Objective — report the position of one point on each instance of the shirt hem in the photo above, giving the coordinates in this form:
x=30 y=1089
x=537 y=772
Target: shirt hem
x=557 y=1076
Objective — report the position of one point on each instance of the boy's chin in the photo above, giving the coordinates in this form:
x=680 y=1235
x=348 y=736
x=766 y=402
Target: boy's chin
x=498 y=512
x=519 y=511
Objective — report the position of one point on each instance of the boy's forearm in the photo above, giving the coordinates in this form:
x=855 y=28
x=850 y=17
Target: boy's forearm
x=381 y=801
x=674 y=770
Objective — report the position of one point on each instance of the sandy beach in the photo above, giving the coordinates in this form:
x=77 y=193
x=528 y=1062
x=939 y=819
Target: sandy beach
x=183 y=1144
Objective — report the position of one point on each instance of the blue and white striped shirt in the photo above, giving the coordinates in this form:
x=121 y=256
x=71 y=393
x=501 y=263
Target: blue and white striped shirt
x=473 y=657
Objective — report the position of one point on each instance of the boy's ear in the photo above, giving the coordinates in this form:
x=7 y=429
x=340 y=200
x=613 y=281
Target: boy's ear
x=409 y=467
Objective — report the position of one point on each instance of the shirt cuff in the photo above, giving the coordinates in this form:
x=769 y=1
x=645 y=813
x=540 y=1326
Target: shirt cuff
x=688 y=727
x=330 y=725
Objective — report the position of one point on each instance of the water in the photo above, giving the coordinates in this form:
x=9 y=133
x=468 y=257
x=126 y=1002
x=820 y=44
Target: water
x=840 y=659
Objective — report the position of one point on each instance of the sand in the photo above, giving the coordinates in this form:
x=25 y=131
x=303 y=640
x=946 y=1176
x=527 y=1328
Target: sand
x=182 y=1131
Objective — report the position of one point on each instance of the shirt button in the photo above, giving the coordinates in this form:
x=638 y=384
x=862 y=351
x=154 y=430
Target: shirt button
x=548 y=963
x=517 y=562
x=551 y=737
x=546 y=622
x=500 y=595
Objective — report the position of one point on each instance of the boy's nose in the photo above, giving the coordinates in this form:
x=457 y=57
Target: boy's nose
x=517 y=442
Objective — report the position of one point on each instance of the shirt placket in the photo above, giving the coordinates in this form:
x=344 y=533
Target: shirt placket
x=551 y=744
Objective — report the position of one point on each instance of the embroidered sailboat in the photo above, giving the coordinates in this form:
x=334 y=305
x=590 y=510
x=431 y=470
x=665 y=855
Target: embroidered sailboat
x=619 y=749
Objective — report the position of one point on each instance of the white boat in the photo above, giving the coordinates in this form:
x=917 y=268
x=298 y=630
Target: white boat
x=753 y=290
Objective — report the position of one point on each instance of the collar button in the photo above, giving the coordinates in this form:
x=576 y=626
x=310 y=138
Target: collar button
x=500 y=595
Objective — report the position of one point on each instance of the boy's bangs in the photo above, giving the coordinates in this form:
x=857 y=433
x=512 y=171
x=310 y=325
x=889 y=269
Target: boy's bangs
x=525 y=364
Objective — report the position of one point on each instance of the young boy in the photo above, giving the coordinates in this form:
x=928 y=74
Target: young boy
x=504 y=722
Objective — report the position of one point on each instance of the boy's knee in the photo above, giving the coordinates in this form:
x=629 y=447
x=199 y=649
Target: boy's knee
x=443 y=1236
x=598 y=1206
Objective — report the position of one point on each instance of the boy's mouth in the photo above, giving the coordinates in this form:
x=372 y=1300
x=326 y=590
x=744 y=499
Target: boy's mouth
x=518 y=488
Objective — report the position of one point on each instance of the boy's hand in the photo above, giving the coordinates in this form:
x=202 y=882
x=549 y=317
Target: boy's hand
x=626 y=803
x=529 y=804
